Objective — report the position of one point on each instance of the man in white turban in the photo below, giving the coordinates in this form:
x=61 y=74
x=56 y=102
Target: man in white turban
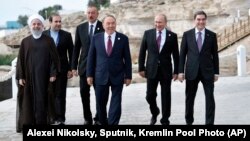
x=36 y=25
x=37 y=65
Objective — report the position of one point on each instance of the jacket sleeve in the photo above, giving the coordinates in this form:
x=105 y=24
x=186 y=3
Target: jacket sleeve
x=215 y=56
x=128 y=62
x=142 y=53
x=70 y=50
x=175 y=54
x=183 y=53
x=76 y=50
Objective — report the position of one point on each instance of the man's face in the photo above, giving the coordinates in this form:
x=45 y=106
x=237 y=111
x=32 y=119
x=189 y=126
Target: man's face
x=109 y=25
x=92 y=14
x=200 y=22
x=56 y=23
x=160 y=22
x=36 y=27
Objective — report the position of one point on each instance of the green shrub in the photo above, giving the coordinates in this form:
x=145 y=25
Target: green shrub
x=7 y=59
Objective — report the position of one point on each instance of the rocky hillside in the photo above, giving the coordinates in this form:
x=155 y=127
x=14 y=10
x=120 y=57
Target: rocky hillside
x=134 y=17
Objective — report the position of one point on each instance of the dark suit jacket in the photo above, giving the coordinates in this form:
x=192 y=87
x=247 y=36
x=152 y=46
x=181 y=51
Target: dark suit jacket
x=82 y=43
x=115 y=67
x=64 y=47
x=154 y=58
x=206 y=60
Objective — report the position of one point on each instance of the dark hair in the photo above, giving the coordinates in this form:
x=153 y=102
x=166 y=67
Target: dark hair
x=92 y=4
x=53 y=15
x=200 y=13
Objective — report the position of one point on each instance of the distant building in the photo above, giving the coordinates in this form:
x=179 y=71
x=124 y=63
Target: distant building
x=10 y=28
x=13 y=25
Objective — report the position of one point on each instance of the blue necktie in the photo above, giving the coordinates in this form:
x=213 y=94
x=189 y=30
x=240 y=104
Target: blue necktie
x=91 y=31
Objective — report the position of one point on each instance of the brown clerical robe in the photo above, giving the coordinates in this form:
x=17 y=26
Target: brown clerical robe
x=37 y=62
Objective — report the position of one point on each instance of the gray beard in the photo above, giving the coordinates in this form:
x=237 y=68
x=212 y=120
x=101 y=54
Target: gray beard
x=36 y=33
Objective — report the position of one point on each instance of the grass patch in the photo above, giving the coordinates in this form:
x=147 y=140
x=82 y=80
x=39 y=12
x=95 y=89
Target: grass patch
x=7 y=59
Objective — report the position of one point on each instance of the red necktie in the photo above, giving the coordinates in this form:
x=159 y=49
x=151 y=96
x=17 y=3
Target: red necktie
x=109 y=46
x=159 y=40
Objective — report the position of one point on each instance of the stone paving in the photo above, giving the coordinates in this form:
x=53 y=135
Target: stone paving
x=232 y=96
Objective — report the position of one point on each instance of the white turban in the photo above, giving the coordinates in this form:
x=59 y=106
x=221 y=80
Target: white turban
x=35 y=16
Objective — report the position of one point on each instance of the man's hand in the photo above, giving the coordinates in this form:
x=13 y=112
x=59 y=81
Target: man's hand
x=216 y=77
x=75 y=73
x=127 y=82
x=70 y=74
x=175 y=77
x=181 y=77
x=52 y=79
x=90 y=81
x=142 y=73
x=22 y=82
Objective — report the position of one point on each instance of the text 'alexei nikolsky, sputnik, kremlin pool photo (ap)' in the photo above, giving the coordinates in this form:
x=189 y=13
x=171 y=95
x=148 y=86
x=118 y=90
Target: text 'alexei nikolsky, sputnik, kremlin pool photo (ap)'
x=139 y=132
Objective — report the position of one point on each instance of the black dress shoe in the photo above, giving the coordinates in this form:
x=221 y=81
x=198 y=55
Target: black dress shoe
x=58 y=123
x=97 y=123
x=164 y=123
x=86 y=122
x=154 y=118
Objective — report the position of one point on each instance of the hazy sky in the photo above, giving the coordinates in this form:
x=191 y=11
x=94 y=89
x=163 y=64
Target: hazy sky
x=11 y=9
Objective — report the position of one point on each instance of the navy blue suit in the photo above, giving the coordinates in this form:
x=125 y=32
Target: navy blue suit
x=109 y=71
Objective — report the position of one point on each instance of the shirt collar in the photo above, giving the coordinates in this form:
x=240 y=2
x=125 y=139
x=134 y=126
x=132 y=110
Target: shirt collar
x=94 y=24
x=202 y=31
x=53 y=32
x=112 y=35
x=163 y=31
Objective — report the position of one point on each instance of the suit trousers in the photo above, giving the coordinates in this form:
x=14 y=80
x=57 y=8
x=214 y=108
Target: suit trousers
x=85 y=96
x=151 y=95
x=191 y=89
x=102 y=96
x=60 y=100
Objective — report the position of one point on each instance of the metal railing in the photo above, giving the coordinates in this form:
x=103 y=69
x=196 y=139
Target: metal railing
x=233 y=33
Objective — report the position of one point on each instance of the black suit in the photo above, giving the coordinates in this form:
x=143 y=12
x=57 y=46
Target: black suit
x=199 y=66
x=64 y=49
x=82 y=44
x=159 y=69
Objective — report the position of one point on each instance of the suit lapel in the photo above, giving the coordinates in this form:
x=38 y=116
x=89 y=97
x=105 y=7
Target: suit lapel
x=98 y=27
x=154 y=40
x=59 y=38
x=103 y=43
x=167 y=38
x=206 y=36
x=193 y=40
